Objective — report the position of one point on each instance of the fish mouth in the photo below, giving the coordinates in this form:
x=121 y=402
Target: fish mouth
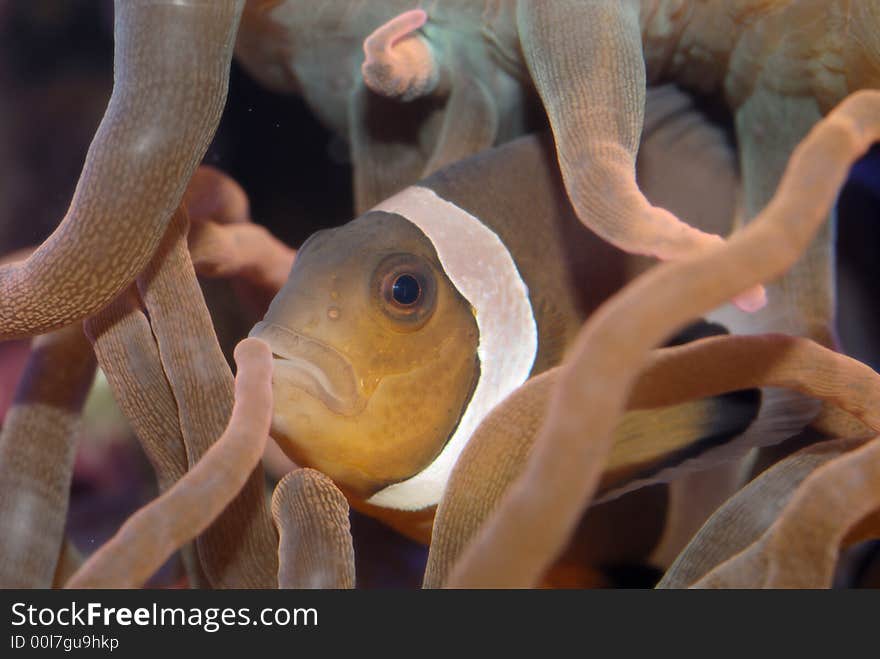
x=313 y=367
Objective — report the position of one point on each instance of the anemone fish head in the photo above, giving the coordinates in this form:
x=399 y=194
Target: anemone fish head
x=375 y=354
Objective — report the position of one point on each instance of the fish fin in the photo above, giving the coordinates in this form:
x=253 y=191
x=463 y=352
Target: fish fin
x=652 y=442
x=782 y=414
x=651 y=446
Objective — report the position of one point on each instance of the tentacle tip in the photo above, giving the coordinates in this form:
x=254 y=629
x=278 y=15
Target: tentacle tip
x=414 y=18
x=752 y=300
x=387 y=35
x=251 y=348
x=398 y=63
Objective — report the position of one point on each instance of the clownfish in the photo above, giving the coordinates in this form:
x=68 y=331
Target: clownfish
x=397 y=333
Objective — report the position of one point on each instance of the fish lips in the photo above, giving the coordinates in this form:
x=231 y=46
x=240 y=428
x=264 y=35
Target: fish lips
x=313 y=367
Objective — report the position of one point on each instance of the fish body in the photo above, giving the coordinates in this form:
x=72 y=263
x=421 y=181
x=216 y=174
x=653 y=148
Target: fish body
x=397 y=333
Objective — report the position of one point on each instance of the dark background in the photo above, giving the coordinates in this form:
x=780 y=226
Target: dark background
x=56 y=67
x=55 y=80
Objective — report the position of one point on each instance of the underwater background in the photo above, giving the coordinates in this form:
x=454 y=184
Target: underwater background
x=55 y=79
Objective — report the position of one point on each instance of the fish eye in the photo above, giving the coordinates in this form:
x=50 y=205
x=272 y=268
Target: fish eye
x=406 y=289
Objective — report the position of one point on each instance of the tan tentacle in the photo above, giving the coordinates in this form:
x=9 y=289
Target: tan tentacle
x=749 y=513
x=537 y=515
x=224 y=243
x=315 y=549
x=129 y=357
x=586 y=59
x=398 y=63
x=769 y=126
x=69 y=561
x=717 y=365
x=127 y=353
x=726 y=363
x=801 y=547
x=152 y=534
x=381 y=132
x=499 y=449
x=493 y=458
x=36 y=456
x=470 y=122
x=692 y=499
x=239 y=550
x=246 y=251
x=212 y=194
x=171 y=71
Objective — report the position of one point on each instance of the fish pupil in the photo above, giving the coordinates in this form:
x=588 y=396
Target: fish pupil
x=406 y=290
